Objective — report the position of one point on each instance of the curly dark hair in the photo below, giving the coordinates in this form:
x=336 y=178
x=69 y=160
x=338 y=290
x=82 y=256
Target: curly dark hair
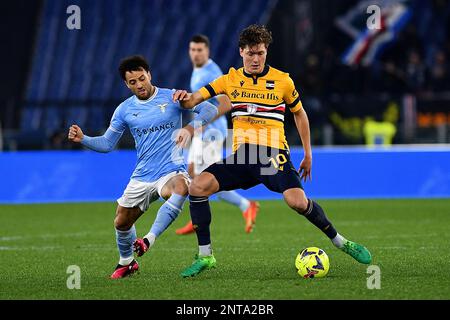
x=133 y=63
x=254 y=35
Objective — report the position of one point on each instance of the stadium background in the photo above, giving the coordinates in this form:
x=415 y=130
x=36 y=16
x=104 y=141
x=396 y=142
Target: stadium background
x=55 y=77
x=57 y=200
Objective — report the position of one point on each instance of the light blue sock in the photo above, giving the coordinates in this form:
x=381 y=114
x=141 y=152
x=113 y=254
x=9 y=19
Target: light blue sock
x=234 y=198
x=125 y=241
x=168 y=212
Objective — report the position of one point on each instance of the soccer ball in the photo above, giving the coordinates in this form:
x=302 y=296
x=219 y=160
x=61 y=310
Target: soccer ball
x=312 y=262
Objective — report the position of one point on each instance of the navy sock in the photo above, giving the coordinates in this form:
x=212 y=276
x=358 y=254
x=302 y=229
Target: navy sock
x=315 y=214
x=201 y=218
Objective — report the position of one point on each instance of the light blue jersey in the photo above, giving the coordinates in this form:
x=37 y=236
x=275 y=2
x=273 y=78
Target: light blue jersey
x=152 y=123
x=200 y=78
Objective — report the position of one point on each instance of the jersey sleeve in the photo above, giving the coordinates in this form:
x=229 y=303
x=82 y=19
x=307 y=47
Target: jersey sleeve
x=291 y=96
x=214 y=88
x=118 y=123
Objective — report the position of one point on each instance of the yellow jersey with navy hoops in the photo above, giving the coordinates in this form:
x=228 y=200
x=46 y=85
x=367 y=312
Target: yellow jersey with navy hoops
x=259 y=103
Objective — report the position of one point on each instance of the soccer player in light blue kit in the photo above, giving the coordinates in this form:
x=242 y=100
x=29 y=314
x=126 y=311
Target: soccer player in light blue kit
x=154 y=120
x=206 y=148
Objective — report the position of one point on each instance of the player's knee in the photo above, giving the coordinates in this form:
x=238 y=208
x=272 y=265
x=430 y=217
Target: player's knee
x=121 y=222
x=177 y=185
x=181 y=187
x=299 y=204
x=195 y=189
x=200 y=187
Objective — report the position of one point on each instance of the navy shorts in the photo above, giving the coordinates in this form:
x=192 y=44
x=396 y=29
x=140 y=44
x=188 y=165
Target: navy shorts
x=251 y=165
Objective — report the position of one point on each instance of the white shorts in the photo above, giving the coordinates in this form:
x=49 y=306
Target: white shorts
x=204 y=153
x=142 y=194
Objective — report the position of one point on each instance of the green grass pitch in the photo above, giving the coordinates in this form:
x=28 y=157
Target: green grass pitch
x=409 y=241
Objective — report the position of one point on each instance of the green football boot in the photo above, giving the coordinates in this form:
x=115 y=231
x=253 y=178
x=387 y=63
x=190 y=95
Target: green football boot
x=357 y=251
x=200 y=263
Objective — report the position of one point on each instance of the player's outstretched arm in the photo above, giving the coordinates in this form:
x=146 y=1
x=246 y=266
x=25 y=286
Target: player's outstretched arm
x=205 y=113
x=224 y=105
x=187 y=100
x=104 y=143
x=302 y=123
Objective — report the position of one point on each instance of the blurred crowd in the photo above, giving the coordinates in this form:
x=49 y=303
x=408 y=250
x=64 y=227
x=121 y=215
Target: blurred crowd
x=417 y=62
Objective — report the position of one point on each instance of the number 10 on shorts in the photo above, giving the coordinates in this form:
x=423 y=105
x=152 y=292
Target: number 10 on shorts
x=279 y=161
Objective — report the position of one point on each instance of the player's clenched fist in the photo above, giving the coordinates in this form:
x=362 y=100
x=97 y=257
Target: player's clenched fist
x=75 y=133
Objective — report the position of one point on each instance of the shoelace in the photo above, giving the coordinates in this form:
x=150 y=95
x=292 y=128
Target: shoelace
x=195 y=267
x=351 y=247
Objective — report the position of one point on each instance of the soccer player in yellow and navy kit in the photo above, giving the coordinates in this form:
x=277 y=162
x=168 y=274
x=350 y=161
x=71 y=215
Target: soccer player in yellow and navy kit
x=260 y=95
x=206 y=147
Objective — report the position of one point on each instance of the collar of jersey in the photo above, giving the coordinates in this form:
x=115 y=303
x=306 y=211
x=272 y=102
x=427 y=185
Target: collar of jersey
x=207 y=63
x=259 y=75
x=149 y=99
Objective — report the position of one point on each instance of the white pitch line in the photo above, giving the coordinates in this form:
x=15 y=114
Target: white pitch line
x=12 y=238
x=396 y=236
x=50 y=236
x=37 y=248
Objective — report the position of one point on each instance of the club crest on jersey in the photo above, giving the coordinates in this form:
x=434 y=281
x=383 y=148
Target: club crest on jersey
x=163 y=107
x=251 y=108
x=270 y=84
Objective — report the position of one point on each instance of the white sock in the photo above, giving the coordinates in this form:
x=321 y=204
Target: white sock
x=245 y=204
x=205 y=250
x=339 y=241
x=125 y=261
x=151 y=238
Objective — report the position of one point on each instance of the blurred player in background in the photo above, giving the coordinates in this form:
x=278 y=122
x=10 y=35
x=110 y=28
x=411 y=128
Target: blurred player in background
x=260 y=94
x=154 y=120
x=207 y=146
